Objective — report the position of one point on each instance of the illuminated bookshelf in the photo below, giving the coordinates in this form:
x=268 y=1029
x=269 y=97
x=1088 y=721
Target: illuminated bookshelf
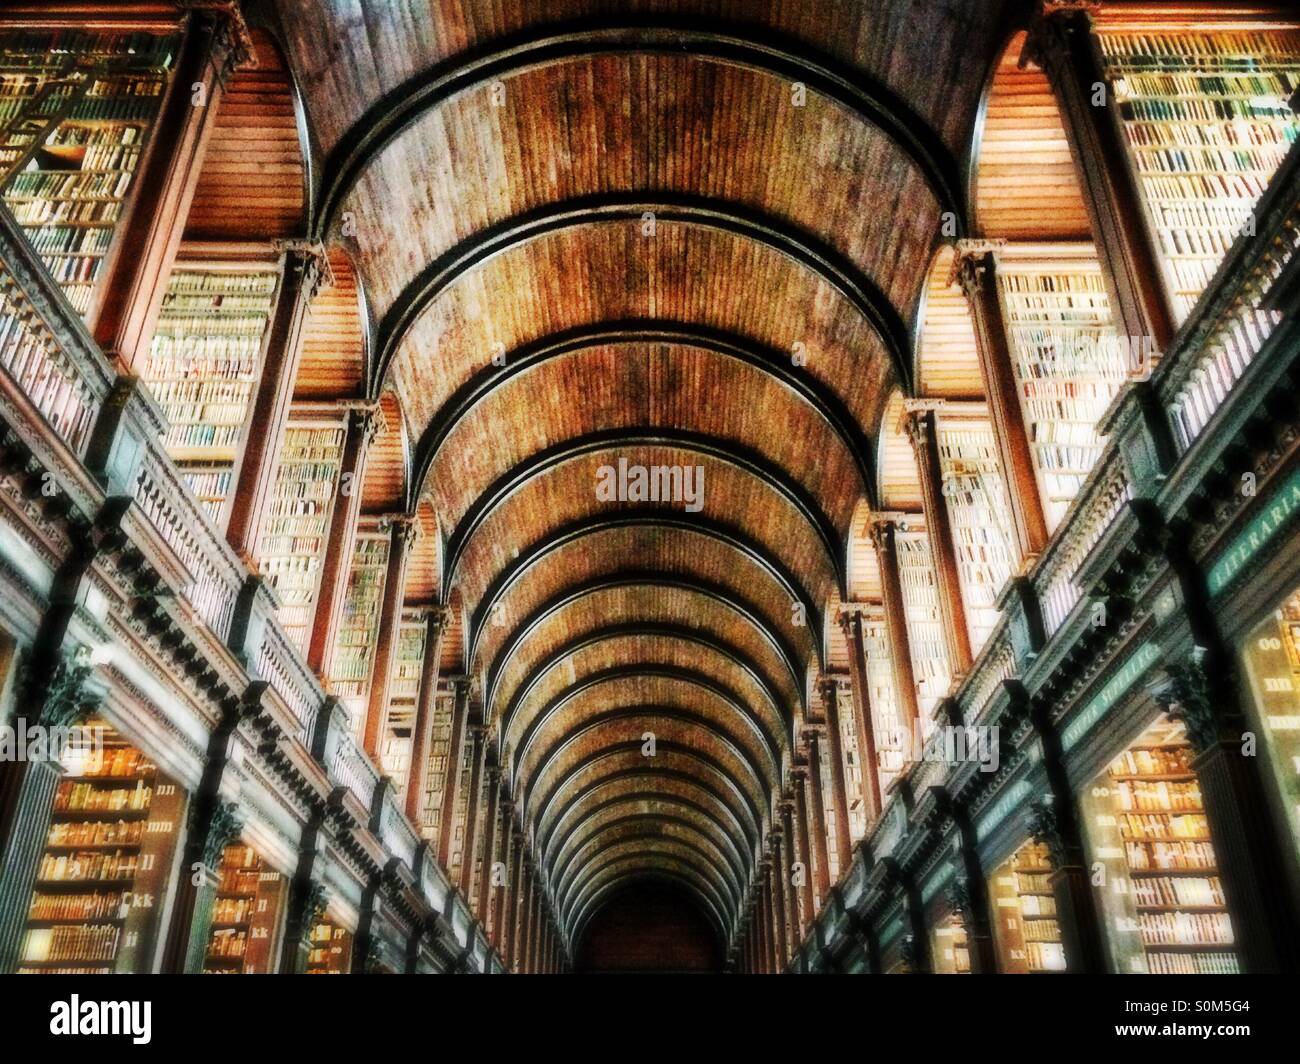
x=1024 y=914
x=353 y=659
x=245 y=916
x=924 y=623
x=976 y=496
x=1206 y=121
x=1161 y=894
x=950 y=953
x=292 y=542
x=1067 y=359
x=403 y=693
x=435 y=777
x=99 y=884
x=1272 y=654
x=203 y=366
x=77 y=108
x=329 y=948
x=892 y=739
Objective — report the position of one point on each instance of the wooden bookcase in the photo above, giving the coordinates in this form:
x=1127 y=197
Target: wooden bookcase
x=924 y=622
x=204 y=363
x=1067 y=359
x=1272 y=655
x=101 y=883
x=948 y=950
x=76 y=109
x=330 y=950
x=1024 y=914
x=1206 y=120
x=1161 y=896
x=892 y=740
x=246 y=917
x=435 y=777
x=353 y=659
x=403 y=693
x=292 y=542
x=976 y=496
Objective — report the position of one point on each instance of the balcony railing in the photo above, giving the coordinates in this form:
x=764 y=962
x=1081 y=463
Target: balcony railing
x=44 y=347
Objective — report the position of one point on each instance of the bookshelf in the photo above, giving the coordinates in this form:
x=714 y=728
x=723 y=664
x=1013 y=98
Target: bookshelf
x=828 y=803
x=892 y=740
x=1024 y=910
x=461 y=812
x=976 y=496
x=852 y=766
x=100 y=882
x=403 y=693
x=924 y=623
x=353 y=659
x=950 y=953
x=1272 y=654
x=435 y=778
x=1205 y=117
x=245 y=916
x=76 y=108
x=1068 y=362
x=329 y=949
x=203 y=366
x=1161 y=895
x=292 y=542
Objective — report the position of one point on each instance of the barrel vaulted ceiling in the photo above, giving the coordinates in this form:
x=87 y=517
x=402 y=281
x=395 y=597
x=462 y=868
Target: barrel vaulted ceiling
x=676 y=233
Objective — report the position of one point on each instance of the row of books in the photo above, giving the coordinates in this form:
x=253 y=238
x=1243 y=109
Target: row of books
x=97 y=906
x=1158 y=828
x=1182 y=963
x=232 y=910
x=1154 y=761
x=78 y=795
x=1181 y=928
x=95 y=833
x=1147 y=795
x=76 y=943
x=123 y=49
x=1165 y=891
x=64 y=186
x=228 y=943
x=1173 y=856
x=105 y=865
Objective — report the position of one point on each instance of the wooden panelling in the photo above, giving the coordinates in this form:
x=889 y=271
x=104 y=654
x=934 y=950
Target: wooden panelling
x=423 y=567
x=1026 y=185
x=383 y=490
x=900 y=485
x=251 y=184
x=333 y=349
x=948 y=362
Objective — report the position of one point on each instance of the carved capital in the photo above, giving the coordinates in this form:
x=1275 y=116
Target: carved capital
x=314 y=905
x=223 y=826
x=1044 y=825
x=68 y=697
x=959 y=896
x=1047 y=43
x=973 y=263
x=1182 y=691
x=232 y=43
x=309 y=258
